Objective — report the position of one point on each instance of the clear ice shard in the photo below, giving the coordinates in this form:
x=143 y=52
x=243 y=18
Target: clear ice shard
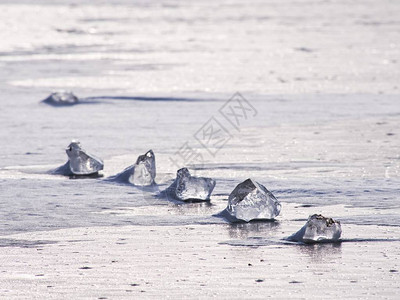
x=80 y=162
x=61 y=98
x=318 y=229
x=187 y=187
x=142 y=173
x=250 y=200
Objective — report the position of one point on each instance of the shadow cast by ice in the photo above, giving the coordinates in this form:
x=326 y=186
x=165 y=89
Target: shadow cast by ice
x=65 y=170
x=67 y=98
x=309 y=247
x=60 y=105
x=145 y=98
x=225 y=214
x=90 y=176
x=339 y=241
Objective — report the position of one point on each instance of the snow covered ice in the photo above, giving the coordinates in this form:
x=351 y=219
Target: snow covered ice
x=318 y=229
x=61 y=98
x=187 y=187
x=142 y=173
x=250 y=200
x=80 y=162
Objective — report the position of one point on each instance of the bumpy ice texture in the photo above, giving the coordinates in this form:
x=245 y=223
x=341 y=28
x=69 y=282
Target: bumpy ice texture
x=187 y=187
x=250 y=200
x=318 y=229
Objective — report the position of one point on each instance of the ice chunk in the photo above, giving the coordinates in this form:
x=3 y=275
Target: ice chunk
x=318 y=229
x=142 y=173
x=61 y=98
x=187 y=187
x=144 y=170
x=250 y=200
x=80 y=162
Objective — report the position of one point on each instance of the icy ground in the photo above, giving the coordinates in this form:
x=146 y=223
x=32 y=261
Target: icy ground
x=322 y=76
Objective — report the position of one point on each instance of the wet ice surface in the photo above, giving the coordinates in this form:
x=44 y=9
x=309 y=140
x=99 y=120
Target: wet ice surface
x=44 y=203
x=313 y=164
x=53 y=204
x=149 y=75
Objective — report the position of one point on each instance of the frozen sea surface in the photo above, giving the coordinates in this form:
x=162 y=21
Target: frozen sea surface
x=305 y=150
x=322 y=79
x=150 y=74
